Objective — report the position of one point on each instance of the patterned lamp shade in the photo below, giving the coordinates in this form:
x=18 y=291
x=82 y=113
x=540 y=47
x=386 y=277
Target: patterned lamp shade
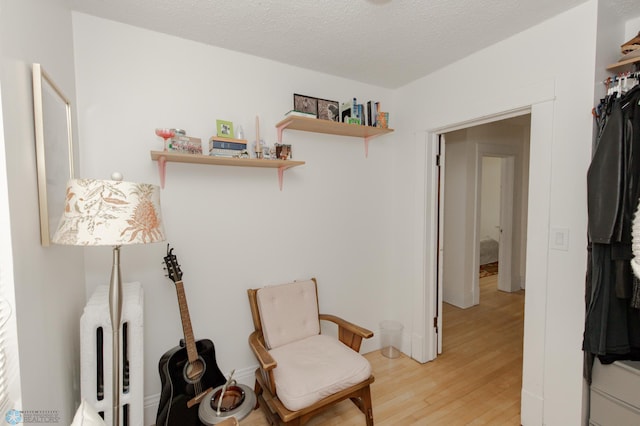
x=110 y=212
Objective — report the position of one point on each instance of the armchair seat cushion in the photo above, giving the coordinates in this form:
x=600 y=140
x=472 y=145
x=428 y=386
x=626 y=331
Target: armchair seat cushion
x=314 y=368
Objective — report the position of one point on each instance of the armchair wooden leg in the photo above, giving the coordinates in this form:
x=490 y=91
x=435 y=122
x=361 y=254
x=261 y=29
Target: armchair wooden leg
x=363 y=402
x=258 y=391
x=367 y=407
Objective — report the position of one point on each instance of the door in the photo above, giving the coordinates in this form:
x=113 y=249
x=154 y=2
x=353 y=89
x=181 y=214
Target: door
x=505 y=251
x=440 y=262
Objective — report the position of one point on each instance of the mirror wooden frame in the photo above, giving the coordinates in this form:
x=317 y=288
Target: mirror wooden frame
x=54 y=149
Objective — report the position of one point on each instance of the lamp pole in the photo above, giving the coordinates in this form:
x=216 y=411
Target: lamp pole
x=115 y=311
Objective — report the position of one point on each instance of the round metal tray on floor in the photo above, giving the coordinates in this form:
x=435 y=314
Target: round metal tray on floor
x=208 y=414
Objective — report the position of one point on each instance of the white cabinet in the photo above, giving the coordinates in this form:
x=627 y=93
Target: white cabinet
x=615 y=394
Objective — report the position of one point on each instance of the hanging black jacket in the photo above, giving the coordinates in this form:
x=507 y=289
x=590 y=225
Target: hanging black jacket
x=605 y=179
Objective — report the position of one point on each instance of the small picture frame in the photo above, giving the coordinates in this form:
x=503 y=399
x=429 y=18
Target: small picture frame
x=306 y=104
x=224 y=128
x=283 y=152
x=383 y=120
x=328 y=110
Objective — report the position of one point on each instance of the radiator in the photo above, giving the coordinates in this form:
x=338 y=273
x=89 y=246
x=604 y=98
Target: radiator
x=96 y=354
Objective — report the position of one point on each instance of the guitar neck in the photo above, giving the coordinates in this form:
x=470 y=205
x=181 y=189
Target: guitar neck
x=192 y=352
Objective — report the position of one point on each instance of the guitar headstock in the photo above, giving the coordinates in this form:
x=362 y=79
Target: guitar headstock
x=173 y=268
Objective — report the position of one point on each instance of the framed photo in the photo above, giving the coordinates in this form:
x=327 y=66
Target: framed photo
x=225 y=128
x=328 y=110
x=54 y=149
x=283 y=152
x=306 y=104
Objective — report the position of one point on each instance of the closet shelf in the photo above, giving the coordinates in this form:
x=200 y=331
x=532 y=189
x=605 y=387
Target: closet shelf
x=316 y=125
x=622 y=64
x=163 y=157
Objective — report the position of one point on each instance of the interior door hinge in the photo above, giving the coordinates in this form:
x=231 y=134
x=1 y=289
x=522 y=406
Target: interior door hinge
x=435 y=323
x=438 y=160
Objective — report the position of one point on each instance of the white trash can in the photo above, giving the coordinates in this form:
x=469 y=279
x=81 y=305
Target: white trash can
x=391 y=338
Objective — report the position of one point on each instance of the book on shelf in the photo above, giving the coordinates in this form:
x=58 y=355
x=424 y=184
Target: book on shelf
x=351 y=113
x=221 y=152
x=345 y=111
x=300 y=114
x=371 y=113
x=365 y=114
x=361 y=116
x=355 y=109
x=217 y=143
x=227 y=145
x=374 y=113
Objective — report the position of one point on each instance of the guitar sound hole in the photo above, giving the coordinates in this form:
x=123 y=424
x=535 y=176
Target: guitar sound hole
x=193 y=371
x=231 y=399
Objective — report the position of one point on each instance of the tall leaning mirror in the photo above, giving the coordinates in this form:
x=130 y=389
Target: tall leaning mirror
x=54 y=149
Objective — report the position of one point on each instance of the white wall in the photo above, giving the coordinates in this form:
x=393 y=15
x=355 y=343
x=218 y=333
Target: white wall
x=612 y=32
x=11 y=369
x=48 y=282
x=534 y=66
x=490 y=196
x=631 y=27
x=232 y=228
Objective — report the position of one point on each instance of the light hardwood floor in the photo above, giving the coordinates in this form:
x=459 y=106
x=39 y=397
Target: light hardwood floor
x=476 y=380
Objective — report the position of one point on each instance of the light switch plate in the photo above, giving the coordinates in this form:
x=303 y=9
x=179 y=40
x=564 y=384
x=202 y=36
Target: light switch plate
x=559 y=239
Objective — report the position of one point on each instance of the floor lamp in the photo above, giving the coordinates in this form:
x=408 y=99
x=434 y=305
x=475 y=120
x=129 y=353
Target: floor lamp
x=111 y=213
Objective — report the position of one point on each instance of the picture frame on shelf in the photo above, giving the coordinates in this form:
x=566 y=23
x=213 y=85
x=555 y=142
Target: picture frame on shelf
x=382 y=120
x=224 y=129
x=186 y=144
x=306 y=104
x=283 y=152
x=328 y=110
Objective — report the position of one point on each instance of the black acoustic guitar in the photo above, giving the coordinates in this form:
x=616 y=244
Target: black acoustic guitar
x=187 y=371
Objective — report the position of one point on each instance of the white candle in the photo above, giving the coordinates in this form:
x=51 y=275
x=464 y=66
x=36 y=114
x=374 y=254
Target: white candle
x=258 y=146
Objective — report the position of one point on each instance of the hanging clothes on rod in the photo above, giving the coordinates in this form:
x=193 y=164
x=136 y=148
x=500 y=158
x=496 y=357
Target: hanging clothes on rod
x=615 y=88
x=612 y=323
x=622 y=83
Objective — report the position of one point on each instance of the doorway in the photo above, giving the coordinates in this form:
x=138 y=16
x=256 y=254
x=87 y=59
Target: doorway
x=465 y=240
x=483 y=205
x=494 y=233
x=540 y=105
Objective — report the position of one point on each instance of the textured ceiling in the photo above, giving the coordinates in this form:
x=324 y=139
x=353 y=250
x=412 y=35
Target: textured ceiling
x=387 y=43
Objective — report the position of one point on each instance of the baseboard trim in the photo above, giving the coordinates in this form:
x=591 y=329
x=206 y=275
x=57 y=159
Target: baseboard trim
x=531 y=409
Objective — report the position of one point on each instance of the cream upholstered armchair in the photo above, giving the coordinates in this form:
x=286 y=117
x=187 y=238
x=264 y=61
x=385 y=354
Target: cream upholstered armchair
x=301 y=371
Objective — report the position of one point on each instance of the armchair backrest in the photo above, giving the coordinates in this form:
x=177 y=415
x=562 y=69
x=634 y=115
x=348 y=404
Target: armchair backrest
x=288 y=312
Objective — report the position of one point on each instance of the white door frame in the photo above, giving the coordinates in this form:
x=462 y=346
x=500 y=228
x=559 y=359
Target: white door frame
x=424 y=340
